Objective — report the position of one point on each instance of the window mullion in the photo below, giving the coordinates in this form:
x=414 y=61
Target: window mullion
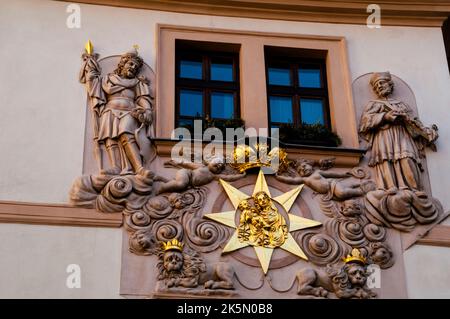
x=205 y=85
x=297 y=113
x=207 y=103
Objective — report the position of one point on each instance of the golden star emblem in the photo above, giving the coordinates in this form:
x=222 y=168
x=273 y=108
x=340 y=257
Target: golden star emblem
x=286 y=200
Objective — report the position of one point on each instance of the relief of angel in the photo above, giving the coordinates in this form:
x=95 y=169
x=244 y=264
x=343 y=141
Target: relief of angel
x=196 y=174
x=335 y=185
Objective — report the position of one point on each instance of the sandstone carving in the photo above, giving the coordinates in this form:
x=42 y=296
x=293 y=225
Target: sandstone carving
x=122 y=113
x=173 y=216
x=401 y=209
x=184 y=268
x=397 y=140
x=109 y=193
x=347 y=281
x=122 y=109
x=335 y=185
x=196 y=175
x=320 y=248
x=350 y=227
x=169 y=219
x=381 y=254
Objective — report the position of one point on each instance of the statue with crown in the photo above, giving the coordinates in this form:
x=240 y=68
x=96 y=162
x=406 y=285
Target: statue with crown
x=121 y=106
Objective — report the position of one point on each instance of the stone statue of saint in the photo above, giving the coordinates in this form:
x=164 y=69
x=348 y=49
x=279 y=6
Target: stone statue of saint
x=396 y=137
x=123 y=112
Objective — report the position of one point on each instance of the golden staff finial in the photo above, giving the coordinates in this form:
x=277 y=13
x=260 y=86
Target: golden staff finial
x=136 y=46
x=89 y=47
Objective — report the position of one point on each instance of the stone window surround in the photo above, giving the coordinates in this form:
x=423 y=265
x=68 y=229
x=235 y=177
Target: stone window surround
x=252 y=75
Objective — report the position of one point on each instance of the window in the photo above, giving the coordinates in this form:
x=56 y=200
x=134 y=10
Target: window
x=253 y=51
x=296 y=88
x=207 y=82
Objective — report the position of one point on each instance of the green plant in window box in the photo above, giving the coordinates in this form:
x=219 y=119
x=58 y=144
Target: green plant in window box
x=309 y=134
x=221 y=124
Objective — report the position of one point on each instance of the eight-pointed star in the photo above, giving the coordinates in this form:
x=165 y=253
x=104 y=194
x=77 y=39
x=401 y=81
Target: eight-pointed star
x=286 y=200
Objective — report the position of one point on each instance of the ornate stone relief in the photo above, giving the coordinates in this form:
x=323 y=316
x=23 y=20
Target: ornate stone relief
x=397 y=141
x=173 y=216
x=182 y=270
x=121 y=107
x=346 y=281
x=196 y=246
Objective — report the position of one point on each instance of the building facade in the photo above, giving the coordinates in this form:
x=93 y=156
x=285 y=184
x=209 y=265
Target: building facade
x=92 y=199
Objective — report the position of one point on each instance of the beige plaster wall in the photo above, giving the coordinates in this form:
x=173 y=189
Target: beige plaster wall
x=427 y=272
x=35 y=258
x=43 y=116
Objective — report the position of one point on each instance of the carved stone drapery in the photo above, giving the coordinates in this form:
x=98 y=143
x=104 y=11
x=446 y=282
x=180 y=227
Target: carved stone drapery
x=397 y=140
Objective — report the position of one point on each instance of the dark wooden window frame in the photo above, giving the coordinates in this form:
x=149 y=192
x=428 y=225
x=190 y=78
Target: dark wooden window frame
x=295 y=91
x=446 y=35
x=206 y=85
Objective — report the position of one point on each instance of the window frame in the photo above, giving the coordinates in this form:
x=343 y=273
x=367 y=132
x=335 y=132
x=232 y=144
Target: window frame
x=206 y=85
x=294 y=64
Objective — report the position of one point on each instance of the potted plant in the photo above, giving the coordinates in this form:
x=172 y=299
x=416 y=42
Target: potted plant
x=308 y=134
x=221 y=124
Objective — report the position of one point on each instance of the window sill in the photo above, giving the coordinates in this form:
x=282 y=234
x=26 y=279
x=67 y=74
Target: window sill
x=344 y=157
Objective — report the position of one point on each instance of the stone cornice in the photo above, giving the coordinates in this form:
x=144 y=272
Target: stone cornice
x=437 y=236
x=56 y=214
x=417 y=13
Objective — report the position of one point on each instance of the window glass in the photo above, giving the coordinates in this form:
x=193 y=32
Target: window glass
x=191 y=69
x=281 y=109
x=279 y=76
x=312 y=111
x=191 y=103
x=222 y=105
x=206 y=83
x=222 y=72
x=309 y=78
x=186 y=122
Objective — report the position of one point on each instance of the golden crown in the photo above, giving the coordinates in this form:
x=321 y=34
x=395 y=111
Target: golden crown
x=246 y=157
x=173 y=244
x=355 y=257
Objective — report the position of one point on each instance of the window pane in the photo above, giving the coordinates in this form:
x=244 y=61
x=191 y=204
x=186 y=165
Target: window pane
x=312 y=111
x=280 y=109
x=309 y=78
x=191 y=103
x=279 y=76
x=186 y=123
x=222 y=72
x=222 y=105
x=191 y=69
